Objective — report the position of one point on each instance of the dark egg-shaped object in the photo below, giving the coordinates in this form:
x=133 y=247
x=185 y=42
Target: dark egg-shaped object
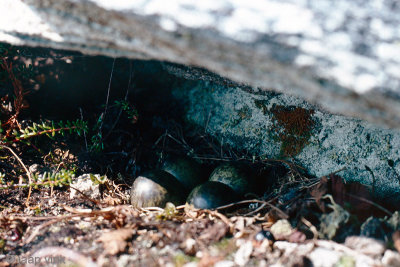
x=211 y=195
x=185 y=170
x=156 y=188
x=233 y=175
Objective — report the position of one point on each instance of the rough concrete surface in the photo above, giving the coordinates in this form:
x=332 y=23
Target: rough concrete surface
x=281 y=126
x=342 y=55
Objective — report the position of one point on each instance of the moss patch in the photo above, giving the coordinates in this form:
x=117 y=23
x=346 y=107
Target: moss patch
x=293 y=126
x=244 y=113
x=261 y=105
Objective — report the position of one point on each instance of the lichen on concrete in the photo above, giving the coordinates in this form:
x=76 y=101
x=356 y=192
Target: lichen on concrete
x=276 y=125
x=293 y=127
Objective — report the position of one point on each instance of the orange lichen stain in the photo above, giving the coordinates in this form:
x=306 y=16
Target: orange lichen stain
x=293 y=126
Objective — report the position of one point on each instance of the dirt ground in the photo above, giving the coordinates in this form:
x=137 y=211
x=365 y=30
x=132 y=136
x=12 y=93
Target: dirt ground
x=65 y=190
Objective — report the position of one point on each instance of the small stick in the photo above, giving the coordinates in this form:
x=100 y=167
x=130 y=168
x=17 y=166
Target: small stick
x=26 y=170
x=371 y=203
x=284 y=215
x=40 y=227
x=120 y=110
x=97 y=203
x=84 y=133
x=256 y=210
x=311 y=227
x=108 y=95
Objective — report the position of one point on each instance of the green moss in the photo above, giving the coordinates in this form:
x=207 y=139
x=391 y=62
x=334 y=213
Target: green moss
x=181 y=259
x=224 y=244
x=346 y=261
x=225 y=247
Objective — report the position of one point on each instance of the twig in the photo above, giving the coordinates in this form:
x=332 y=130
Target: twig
x=108 y=96
x=97 y=203
x=208 y=120
x=283 y=214
x=84 y=132
x=26 y=170
x=221 y=216
x=120 y=110
x=311 y=227
x=40 y=227
x=256 y=210
x=371 y=203
x=216 y=159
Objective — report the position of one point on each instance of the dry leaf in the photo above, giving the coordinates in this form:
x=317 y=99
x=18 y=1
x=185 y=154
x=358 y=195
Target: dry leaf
x=115 y=241
x=357 y=196
x=318 y=191
x=77 y=211
x=112 y=201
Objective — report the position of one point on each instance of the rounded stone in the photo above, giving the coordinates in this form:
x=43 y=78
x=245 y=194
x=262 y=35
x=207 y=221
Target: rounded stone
x=156 y=188
x=211 y=195
x=185 y=170
x=234 y=176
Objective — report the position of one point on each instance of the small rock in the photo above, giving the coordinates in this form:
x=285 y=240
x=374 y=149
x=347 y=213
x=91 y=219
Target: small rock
x=375 y=228
x=85 y=185
x=281 y=229
x=292 y=254
x=297 y=237
x=322 y=257
x=190 y=264
x=189 y=246
x=391 y=258
x=242 y=255
x=365 y=245
x=224 y=264
x=394 y=221
x=396 y=240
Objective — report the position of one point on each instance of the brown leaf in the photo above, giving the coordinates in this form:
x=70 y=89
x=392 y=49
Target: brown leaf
x=358 y=196
x=112 y=201
x=318 y=191
x=338 y=189
x=115 y=241
x=354 y=194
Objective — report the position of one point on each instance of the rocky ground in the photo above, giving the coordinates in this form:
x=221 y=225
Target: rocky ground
x=64 y=195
